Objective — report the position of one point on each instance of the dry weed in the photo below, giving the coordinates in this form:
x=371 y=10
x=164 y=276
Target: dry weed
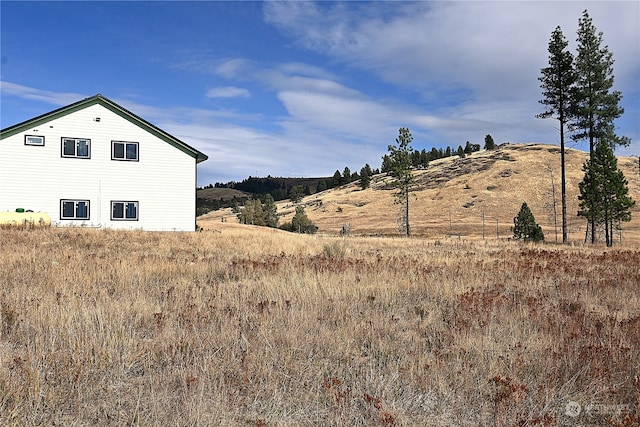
x=266 y=328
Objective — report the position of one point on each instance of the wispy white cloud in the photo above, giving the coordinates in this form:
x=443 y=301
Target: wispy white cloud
x=49 y=97
x=347 y=116
x=233 y=68
x=473 y=66
x=492 y=47
x=228 y=92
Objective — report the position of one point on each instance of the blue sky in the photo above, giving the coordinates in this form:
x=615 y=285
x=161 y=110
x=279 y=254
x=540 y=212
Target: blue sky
x=305 y=88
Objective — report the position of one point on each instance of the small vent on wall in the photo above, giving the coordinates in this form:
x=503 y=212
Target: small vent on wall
x=97 y=119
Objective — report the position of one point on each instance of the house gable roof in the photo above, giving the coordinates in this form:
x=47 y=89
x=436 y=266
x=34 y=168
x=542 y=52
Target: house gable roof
x=115 y=108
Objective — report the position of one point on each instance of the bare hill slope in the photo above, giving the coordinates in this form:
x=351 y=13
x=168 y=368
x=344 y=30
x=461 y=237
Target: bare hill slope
x=456 y=197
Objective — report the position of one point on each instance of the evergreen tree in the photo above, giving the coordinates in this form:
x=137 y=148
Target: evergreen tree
x=594 y=105
x=365 y=177
x=270 y=211
x=322 y=185
x=337 y=179
x=301 y=222
x=433 y=155
x=460 y=152
x=525 y=226
x=415 y=159
x=296 y=194
x=425 y=158
x=468 y=148
x=346 y=176
x=604 y=192
x=557 y=83
x=489 y=143
x=400 y=169
x=386 y=164
x=251 y=213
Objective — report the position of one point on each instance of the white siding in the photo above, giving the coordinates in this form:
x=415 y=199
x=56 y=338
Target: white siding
x=163 y=181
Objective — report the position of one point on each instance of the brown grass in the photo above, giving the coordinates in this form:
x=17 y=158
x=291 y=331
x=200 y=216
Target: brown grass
x=454 y=194
x=259 y=327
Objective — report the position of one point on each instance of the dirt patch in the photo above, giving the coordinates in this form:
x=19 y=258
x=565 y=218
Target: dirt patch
x=507 y=173
x=434 y=178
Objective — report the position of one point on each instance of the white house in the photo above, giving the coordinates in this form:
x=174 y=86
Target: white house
x=95 y=164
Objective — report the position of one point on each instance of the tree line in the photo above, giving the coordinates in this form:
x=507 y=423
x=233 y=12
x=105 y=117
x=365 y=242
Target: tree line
x=421 y=159
x=578 y=92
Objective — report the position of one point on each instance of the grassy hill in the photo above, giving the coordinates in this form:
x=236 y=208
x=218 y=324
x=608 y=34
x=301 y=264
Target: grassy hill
x=454 y=195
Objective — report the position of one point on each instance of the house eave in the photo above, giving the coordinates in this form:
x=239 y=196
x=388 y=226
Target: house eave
x=115 y=108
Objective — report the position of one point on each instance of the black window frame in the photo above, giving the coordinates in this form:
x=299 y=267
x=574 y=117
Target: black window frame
x=124 y=210
x=75 y=216
x=26 y=139
x=75 y=148
x=124 y=151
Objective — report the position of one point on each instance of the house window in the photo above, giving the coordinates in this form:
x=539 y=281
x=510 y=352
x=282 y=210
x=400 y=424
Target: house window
x=124 y=211
x=76 y=147
x=121 y=150
x=74 y=209
x=34 y=140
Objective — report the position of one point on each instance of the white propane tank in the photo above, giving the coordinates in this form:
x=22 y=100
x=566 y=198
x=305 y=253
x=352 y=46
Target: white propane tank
x=25 y=219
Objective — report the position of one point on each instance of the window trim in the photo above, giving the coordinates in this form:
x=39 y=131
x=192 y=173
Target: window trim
x=75 y=209
x=125 y=143
x=124 y=210
x=75 y=155
x=36 y=144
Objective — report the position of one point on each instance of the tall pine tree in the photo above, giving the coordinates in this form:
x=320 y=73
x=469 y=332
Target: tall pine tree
x=604 y=192
x=557 y=82
x=399 y=164
x=595 y=104
x=270 y=211
x=365 y=176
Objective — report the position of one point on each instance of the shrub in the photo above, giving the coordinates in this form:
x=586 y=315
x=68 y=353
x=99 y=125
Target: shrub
x=525 y=226
x=300 y=223
x=334 y=250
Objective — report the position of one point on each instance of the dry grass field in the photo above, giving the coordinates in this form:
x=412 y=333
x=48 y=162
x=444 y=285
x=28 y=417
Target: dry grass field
x=245 y=326
x=454 y=194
